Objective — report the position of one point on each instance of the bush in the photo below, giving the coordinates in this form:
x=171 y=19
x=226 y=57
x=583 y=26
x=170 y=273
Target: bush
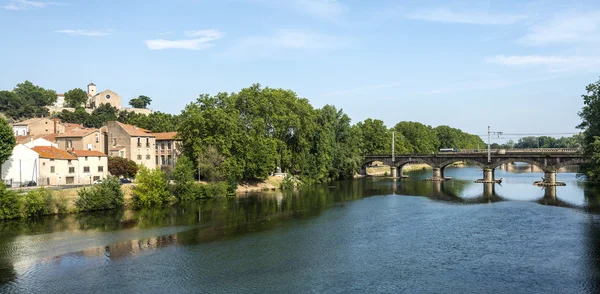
x=183 y=175
x=151 y=188
x=107 y=195
x=288 y=183
x=38 y=202
x=10 y=203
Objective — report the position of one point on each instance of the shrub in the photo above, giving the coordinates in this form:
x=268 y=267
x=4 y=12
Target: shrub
x=288 y=183
x=37 y=202
x=183 y=175
x=107 y=195
x=10 y=203
x=151 y=188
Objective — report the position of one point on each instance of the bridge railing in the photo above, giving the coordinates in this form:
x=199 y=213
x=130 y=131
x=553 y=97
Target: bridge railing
x=493 y=151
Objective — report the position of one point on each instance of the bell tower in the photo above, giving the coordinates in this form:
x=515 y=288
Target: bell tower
x=92 y=89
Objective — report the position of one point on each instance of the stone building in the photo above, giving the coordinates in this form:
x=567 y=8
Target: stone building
x=104 y=97
x=168 y=149
x=79 y=167
x=37 y=126
x=131 y=142
x=82 y=139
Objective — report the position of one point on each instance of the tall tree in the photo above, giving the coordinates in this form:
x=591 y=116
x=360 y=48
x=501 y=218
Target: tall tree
x=590 y=116
x=419 y=138
x=7 y=141
x=76 y=98
x=140 y=102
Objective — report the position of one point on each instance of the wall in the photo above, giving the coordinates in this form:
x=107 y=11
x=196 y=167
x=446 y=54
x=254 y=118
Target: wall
x=93 y=162
x=40 y=142
x=81 y=143
x=163 y=150
x=146 y=151
x=101 y=98
x=21 y=166
x=20 y=130
x=61 y=171
x=45 y=126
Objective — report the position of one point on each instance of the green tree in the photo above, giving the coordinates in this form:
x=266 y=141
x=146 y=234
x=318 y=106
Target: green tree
x=103 y=196
x=419 y=138
x=375 y=137
x=140 y=102
x=122 y=167
x=590 y=116
x=26 y=101
x=76 y=98
x=151 y=188
x=183 y=175
x=7 y=141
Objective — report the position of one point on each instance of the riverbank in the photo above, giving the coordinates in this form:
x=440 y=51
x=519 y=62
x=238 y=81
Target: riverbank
x=271 y=183
x=383 y=170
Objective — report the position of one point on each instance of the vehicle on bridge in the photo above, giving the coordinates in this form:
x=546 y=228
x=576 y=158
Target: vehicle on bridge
x=449 y=150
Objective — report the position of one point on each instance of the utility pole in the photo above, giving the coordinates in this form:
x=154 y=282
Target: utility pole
x=489 y=144
x=393 y=146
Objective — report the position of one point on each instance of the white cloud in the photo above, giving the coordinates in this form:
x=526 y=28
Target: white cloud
x=87 y=33
x=551 y=63
x=565 y=28
x=445 y=15
x=25 y=4
x=284 y=42
x=201 y=40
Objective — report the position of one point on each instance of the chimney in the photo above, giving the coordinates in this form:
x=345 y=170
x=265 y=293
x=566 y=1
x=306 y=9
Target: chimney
x=55 y=132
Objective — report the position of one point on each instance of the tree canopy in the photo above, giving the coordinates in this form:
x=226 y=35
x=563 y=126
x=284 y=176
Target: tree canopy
x=26 y=100
x=7 y=140
x=76 y=98
x=590 y=116
x=140 y=102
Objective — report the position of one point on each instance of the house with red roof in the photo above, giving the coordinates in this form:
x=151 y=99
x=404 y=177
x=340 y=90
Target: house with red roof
x=77 y=167
x=131 y=142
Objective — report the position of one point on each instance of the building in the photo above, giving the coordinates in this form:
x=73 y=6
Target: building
x=131 y=142
x=93 y=165
x=81 y=139
x=37 y=126
x=104 y=97
x=21 y=167
x=79 y=167
x=168 y=149
x=38 y=140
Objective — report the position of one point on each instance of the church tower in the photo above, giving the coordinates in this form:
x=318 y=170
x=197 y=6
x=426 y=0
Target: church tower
x=92 y=89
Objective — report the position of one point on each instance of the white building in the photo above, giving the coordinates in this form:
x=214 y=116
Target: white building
x=40 y=142
x=21 y=167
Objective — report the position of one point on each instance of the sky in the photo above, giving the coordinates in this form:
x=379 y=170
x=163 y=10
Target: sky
x=517 y=66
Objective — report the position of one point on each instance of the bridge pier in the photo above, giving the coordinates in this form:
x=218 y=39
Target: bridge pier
x=393 y=171
x=489 y=190
x=488 y=176
x=437 y=175
x=550 y=178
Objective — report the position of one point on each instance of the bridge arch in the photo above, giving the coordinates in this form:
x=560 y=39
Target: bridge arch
x=399 y=165
x=446 y=163
x=526 y=160
x=575 y=161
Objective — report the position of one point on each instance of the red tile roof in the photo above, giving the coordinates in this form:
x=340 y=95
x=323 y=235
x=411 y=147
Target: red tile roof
x=165 y=136
x=52 y=152
x=135 y=131
x=77 y=133
x=80 y=153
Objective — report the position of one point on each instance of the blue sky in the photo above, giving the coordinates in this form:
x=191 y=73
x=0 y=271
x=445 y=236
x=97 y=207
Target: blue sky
x=517 y=66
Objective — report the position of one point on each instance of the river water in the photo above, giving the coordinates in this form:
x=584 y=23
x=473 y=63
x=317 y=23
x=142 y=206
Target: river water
x=366 y=235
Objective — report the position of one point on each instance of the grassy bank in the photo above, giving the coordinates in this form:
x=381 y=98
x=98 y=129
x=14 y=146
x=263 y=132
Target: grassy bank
x=384 y=169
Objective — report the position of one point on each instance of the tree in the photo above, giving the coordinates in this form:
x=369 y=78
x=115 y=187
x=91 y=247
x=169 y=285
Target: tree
x=183 y=175
x=209 y=165
x=419 y=138
x=375 y=137
x=76 y=98
x=26 y=101
x=122 y=167
x=140 y=102
x=151 y=188
x=590 y=116
x=7 y=141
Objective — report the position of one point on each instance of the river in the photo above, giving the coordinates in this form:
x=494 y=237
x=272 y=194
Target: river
x=366 y=235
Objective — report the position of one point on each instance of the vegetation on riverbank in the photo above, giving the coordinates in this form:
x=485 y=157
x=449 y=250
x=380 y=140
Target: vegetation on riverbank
x=590 y=116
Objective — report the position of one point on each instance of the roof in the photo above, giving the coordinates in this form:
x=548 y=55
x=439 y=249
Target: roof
x=60 y=95
x=91 y=84
x=77 y=133
x=29 y=138
x=29 y=121
x=165 y=136
x=52 y=152
x=135 y=131
x=117 y=148
x=72 y=126
x=80 y=153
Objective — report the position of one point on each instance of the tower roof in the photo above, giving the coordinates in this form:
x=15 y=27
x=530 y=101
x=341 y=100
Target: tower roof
x=91 y=84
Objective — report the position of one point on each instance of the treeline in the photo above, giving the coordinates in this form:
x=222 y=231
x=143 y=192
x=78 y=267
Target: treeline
x=575 y=141
x=244 y=136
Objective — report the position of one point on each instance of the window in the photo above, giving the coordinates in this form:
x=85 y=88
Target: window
x=147 y=142
x=139 y=157
x=114 y=141
x=139 y=151
x=100 y=168
x=123 y=154
x=107 y=96
x=156 y=159
x=169 y=159
x=147 y=156
x=69 y=143
x=162 y=160
x=52 y=169
x=51 y=159
x=96 y=178
x=70 y=180
x=86 y=169
x=162 y=146
x=69 y=162
x=71 y=169
x=139 y=142
x=169 y=145
x=86 y=158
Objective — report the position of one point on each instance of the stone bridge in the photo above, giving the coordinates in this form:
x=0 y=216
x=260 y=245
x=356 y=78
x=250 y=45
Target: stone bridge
x=549 y=160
